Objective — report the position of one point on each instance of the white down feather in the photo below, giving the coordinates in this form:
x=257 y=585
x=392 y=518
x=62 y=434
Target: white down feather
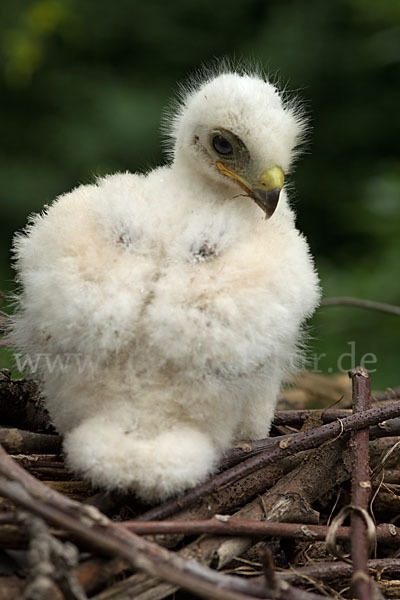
x=162 y=311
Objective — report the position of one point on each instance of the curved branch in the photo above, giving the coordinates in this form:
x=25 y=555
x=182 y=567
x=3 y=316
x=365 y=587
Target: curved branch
x=360 y=303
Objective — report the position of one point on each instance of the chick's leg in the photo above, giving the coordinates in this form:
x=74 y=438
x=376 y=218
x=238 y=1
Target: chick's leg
x=107 y=455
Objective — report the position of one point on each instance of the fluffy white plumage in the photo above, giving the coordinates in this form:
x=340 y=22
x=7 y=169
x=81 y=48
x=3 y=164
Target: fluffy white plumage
x=162 y=311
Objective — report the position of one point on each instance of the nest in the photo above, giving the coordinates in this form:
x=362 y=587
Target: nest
x=308 y=513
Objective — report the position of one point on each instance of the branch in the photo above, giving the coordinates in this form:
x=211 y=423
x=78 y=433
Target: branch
x=289 y=500
x=18 y=441
x=338 y=570
x=94 y=529
x=51 y=563
x=292 y=445
x=387 y=534
x=359 y=303
x=360 y=487
x=50 y=467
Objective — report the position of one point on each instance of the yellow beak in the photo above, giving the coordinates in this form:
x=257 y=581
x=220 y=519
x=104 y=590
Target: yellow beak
x=268 y=189
x=265 y=192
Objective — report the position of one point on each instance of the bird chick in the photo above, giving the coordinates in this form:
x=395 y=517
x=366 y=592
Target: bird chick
x=162 y=311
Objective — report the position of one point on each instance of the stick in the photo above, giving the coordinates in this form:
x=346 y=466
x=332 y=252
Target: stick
x=289 y=446
x=387 y=534
x=361 y=486
x=288 y=500
x=18 y=441
x=337 y=570
x=388 y=394
x=359 y=303
x=96 y=530
x=207 y=547
x=297 y=418
x=225 y=499
x=239 y=453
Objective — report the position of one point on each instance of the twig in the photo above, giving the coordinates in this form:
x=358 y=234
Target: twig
x=226 y=498
x=51 y=562
x=138 y=552
x=289 y=446
x=386 y=533
x=361 y=486
x=49 y=467
x=288 y=500
x=18 y=441
x=297 y=418
x=237 y=454
x=267 y=563
x=96 y=530
x=331 y=571
x=392 y=476
x=309 y=480
x=388 y=394
x=360 y=303
x=245 y=449
x=206 y=548
x=222 y=500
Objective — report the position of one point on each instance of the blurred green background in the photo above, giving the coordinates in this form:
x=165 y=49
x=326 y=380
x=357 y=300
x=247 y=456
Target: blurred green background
x=83 y=85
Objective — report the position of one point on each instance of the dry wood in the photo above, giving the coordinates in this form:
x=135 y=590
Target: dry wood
x=288 y=500
x=360 y=488
x=291 y=488
x=96 y=573
x=245 y=449
x=18 y=441
x=392 y=476
x=292 y=445
x=330 y=571
x=386 y=533
x=96 y=530
x=51 y=563
x=297 y=418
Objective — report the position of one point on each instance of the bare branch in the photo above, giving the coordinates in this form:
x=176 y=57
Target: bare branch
x=359 y=303
x=360 y=486
x=292 y=445
x=17 y=441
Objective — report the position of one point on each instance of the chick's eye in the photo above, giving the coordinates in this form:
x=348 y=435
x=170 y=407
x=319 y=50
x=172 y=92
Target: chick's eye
x=221 y=145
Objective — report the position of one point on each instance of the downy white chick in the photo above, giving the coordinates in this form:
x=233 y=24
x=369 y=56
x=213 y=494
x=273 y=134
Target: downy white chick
x=162 y=311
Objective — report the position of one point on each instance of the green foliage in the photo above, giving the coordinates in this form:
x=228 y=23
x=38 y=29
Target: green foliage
x=83 y=84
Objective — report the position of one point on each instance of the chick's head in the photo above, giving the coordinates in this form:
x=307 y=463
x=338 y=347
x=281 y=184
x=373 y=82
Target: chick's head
x=237 y=130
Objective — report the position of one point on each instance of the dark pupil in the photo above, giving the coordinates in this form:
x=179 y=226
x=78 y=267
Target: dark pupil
x=221 y=145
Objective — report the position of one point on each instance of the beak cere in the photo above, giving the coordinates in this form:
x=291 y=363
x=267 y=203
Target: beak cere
x=266 y=192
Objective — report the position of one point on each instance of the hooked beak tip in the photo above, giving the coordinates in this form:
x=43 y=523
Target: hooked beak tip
x=268 y=190
x=267 y=200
